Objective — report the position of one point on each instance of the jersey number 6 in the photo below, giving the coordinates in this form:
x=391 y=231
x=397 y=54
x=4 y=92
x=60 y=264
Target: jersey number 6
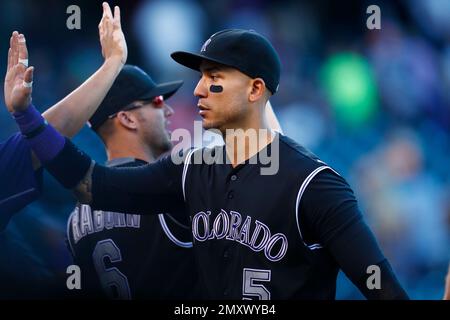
x=114 y=283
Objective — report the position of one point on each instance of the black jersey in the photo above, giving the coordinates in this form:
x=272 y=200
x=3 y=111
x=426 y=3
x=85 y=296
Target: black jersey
x=255 y=236
x=247 y=233
x=131 y=256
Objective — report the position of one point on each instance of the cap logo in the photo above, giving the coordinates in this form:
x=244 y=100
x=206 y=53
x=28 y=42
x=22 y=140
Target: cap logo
x=207 y=42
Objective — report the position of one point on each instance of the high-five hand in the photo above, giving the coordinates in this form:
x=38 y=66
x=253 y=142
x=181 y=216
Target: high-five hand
x=19 y=77
x=112 y=38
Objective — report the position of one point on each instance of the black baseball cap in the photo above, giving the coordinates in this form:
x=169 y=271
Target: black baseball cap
x=245 y=50
x=131 y=84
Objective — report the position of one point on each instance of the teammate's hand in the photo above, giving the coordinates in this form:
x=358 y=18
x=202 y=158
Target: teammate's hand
x=19 y=77
x=112 y=39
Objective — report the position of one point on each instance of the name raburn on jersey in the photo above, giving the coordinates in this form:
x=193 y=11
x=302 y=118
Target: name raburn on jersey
x=84 y=221
x=247 y=231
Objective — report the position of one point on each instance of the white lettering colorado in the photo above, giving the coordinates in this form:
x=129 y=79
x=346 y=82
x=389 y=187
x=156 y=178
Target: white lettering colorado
x=84 y=221
x=232 y=227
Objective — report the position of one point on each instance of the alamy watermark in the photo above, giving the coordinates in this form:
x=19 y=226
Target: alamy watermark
x=374 y=280
x=374 y=20
x=74 y=20
x=250 y=144
x=74 y=279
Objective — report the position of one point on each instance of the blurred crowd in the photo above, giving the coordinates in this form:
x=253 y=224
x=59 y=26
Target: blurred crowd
x=373 y=104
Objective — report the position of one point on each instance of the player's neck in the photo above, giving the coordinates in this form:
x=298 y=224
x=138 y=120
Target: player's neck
x=247 y=139
x=130 y=149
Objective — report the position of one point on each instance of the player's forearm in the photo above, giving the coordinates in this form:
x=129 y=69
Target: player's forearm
x=70 y=114
x=134 y=188
x=63 y=160
x=113 y=189
x=382 y=284
x=143 y=190
x=360 y=258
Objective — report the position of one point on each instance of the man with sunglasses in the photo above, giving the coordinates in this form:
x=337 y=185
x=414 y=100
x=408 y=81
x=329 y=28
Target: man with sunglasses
x=130 y=256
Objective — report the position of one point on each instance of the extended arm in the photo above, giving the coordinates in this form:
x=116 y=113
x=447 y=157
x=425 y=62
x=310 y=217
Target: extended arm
x=329 y=214
x=70 y=114
x=140 y=190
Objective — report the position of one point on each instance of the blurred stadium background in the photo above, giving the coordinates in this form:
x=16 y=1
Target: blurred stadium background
x=374 y=104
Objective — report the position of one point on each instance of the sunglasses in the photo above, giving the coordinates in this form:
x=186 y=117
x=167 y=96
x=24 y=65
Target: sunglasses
x=156 y=101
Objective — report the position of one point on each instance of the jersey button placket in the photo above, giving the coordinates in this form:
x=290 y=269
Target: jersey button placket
x=230 y=194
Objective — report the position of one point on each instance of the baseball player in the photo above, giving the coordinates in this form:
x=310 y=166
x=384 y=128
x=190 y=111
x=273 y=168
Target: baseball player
x=21 y=177
x=282 y=235
x=124 y=256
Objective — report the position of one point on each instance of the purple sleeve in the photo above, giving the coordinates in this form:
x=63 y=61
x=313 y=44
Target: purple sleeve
x=19 y=183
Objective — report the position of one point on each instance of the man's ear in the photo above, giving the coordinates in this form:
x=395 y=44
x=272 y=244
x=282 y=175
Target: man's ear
x=258 y=89
x=127 y=119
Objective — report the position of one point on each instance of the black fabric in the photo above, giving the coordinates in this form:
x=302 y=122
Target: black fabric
x=390 y=287
x=244 y=224
x=250 y=228
x=152 y=264
x=148 y=189
x=70 y=165
x=330 y=215
x=131 y=84
x=245 y=50
x=327 y=207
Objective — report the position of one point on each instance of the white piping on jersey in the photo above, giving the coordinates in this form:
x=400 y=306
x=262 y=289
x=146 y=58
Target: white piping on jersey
x=185 y=169
x=315 y=246
x=161 y=220
x=170 y=235
x=299 y=197
x=178 y=223
x=69 y=222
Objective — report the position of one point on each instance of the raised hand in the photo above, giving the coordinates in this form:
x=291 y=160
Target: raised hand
x=19 y=77
x=112 y=38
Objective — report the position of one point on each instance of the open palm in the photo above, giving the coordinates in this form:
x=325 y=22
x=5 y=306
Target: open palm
x=18 y=77
x=112 y=38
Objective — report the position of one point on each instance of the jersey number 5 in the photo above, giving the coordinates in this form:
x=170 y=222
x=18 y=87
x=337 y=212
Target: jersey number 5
x=251 y=288
x=114 y=282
